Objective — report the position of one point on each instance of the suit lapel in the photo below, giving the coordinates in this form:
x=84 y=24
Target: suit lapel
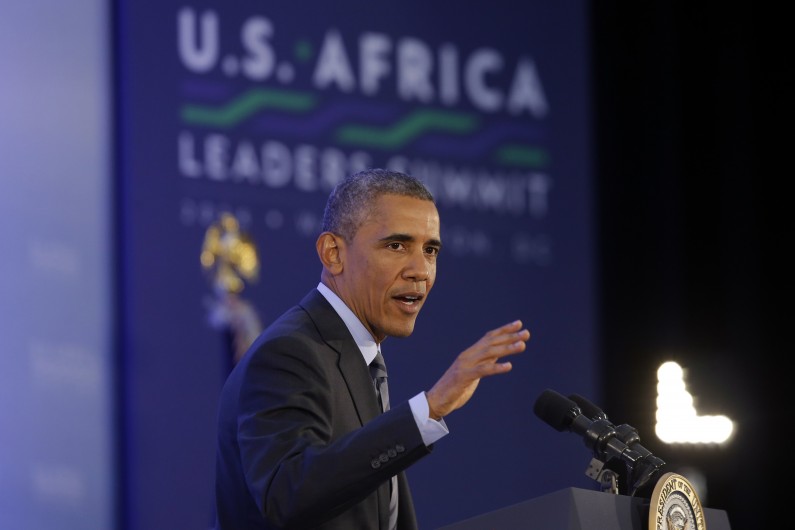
x=351 y=363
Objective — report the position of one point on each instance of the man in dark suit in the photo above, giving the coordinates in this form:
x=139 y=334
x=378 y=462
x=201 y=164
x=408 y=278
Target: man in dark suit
x=302 y=439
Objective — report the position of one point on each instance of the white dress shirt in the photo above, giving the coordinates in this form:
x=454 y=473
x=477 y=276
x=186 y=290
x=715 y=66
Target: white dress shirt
x=430 y=429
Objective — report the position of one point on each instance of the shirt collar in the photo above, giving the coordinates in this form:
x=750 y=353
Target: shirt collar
x=361 y=336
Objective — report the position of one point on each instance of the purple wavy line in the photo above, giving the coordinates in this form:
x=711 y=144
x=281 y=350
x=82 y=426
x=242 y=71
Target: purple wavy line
x=322 y=121
x=204 y=89
x=472 y=147
x=337 y=113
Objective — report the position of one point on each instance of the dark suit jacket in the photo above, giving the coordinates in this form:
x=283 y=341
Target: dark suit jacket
x=301 y=441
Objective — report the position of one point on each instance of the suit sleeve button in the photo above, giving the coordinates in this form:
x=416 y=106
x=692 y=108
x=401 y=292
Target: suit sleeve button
x=383 y=457
x=375 y=463
x=392 y=453
x=399 y=448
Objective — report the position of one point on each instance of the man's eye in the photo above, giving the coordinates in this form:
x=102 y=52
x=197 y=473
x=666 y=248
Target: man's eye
x=395 y=246
x=433 y=251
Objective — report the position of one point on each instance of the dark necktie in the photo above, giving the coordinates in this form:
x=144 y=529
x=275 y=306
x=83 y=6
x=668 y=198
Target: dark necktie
x=378 y=373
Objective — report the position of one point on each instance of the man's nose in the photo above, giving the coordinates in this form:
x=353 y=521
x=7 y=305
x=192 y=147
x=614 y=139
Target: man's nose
x=418 y=268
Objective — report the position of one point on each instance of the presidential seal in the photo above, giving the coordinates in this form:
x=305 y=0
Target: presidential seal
x=675 y=505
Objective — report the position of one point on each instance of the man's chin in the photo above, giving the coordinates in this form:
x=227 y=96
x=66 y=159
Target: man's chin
x=401 y=331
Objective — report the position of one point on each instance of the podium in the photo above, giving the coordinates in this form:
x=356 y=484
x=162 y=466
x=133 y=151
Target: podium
x=577 y=509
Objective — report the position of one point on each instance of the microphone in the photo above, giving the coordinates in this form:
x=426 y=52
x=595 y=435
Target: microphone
x=626 y=433
x=587 y=407
x=599 y=435
x=647 y=465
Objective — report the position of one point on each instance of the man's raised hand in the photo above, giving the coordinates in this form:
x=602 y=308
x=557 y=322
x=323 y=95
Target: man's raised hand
x=482 y=359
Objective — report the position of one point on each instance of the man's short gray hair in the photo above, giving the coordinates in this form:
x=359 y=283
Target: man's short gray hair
x=352 y=200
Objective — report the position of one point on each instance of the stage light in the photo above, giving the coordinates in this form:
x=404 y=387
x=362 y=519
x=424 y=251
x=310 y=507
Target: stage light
x=677 y=418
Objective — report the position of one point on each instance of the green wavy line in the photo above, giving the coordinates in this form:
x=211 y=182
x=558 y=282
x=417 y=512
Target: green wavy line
x=405 y=130
x=521 y=155
x=246 y=105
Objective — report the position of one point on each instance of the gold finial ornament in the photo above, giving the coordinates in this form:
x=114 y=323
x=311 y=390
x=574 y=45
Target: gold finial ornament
x=230 y=255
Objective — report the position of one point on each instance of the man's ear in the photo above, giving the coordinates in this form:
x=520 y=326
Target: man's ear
x=331 y=250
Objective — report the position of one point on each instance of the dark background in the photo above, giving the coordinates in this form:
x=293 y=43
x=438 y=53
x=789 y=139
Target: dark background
x=685 y=213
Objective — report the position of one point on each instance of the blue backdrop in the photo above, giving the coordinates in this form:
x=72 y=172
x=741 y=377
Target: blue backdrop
x=259 y=109
x=57 y=435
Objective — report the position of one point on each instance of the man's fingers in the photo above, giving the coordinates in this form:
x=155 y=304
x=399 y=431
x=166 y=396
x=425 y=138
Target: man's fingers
x=497 y=353
x=482 y=359
x=512 y=340
x=518 y=336
x=497 y=368
x=486 y=358
x=516 y=325
x=506 y=333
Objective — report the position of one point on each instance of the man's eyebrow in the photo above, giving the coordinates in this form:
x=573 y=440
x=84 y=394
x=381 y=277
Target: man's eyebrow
x=408 y=239
x=397 y=237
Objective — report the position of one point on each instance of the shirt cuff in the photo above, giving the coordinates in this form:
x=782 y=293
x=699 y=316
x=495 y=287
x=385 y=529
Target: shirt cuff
x=430 y=429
